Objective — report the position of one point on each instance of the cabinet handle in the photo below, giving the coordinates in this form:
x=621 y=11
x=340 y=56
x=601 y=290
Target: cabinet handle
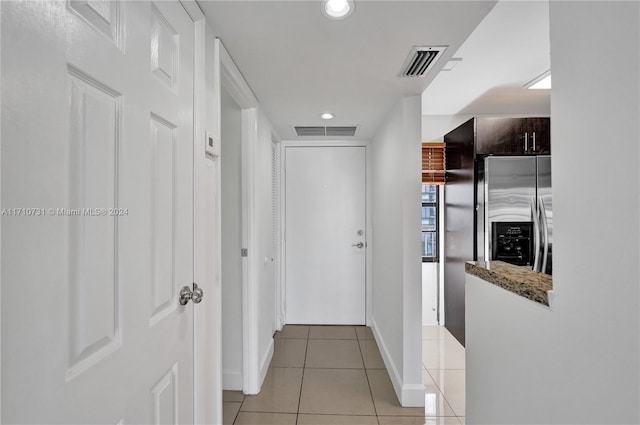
x=534 y=141
x=525 y=142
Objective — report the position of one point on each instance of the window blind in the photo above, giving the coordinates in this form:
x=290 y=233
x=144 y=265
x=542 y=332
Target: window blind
x=433 y=163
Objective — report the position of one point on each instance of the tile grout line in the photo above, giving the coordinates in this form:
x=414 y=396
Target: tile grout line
x=438 y=386
x=244 y=397
x=366 y=374
x=304 y=366
x=443 y=396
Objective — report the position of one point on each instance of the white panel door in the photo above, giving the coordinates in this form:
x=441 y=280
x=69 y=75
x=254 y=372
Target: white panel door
x=325 y=235
x=97 y=138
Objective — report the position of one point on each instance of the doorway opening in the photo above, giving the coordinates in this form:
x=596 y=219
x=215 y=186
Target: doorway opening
x=231 y=216
x=432 y=248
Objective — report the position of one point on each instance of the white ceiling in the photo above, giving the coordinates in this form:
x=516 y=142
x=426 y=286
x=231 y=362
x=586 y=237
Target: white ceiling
x=509 y=48
x=300 y=64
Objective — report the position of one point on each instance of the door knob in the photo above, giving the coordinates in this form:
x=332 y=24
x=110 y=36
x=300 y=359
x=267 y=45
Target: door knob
x=358 y=245
x=186 y=294
x=198 y=294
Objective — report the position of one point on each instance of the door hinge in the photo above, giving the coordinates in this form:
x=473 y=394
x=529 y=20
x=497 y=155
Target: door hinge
x=244 y=252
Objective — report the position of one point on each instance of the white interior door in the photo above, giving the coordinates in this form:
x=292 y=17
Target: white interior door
x=325 y=235
x=97 y=136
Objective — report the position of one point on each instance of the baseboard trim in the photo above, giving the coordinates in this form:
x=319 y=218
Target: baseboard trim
x=396 y=378
x=232 y=380
x=266 y=361
x=412 y=395
x=409 y=395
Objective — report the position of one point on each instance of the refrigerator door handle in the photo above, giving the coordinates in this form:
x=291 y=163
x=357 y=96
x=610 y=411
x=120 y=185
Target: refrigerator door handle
x=545 y=228
x=534 y=142
x=536 y=235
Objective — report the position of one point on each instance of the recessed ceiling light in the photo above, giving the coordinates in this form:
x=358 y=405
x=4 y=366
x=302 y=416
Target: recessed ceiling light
x=327 y=116
x=541 y=82
x=337 y=9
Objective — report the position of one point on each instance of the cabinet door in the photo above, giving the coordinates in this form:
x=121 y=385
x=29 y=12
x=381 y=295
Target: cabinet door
x=500 y=136
x=539 y=130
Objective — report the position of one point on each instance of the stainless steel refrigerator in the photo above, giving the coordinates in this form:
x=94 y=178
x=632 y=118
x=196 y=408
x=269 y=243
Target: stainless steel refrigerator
x=508 y=195
x=514 y=211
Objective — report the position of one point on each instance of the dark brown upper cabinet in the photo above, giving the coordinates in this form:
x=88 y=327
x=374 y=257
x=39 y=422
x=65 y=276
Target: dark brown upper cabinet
x=512 y=136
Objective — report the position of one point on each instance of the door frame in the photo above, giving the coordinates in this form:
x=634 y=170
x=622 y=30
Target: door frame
x=206 y=360
x=281 y=284
x=0 y=225
x=278 y=286
x=234 y=83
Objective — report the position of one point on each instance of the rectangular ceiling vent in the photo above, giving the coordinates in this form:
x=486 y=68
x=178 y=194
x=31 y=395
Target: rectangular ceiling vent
x=341 y=131
x=310 y=131
x=346 y=131
x=420 y=60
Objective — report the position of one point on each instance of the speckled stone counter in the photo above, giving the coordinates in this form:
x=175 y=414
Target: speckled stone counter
x=519 y=280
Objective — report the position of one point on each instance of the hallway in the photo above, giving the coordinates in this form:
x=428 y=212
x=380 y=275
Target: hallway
x=336 y=375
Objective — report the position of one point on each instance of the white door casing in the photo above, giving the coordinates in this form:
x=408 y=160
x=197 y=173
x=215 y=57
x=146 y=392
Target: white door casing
x=234 y=83
x=97 y=119
x=325 y=204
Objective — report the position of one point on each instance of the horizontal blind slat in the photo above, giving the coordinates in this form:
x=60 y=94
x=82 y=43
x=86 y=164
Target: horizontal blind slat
x=433 y=163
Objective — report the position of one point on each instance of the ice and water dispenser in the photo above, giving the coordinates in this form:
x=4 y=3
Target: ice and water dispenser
x=512 y=242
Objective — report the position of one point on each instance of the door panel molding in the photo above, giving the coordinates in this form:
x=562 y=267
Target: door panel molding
x=94 y=309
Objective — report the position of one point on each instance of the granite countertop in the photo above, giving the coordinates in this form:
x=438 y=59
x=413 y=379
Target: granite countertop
x=519 y=280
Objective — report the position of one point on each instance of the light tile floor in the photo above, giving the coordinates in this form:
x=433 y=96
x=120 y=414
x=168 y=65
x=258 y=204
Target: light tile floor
x=324 y=375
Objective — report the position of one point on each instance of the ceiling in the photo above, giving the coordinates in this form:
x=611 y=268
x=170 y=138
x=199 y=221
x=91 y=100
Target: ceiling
x=301 y=64
x=509 y=48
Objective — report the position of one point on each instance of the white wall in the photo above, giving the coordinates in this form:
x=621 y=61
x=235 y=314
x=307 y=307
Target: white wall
x=430 y=272
x=576 y=363
x=396 y=287
x=232 y=243
x=434 y=127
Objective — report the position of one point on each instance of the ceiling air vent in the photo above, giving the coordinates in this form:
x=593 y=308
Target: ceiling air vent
x=326 y=131
x=310 y=131
x=421 y=60
x=341 y=131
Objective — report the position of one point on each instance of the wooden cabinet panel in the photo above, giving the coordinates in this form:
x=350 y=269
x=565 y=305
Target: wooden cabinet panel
x=499 y=136
x=539 y=130
x=512 y=136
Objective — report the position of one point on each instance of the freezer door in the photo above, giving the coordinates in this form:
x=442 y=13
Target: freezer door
x=544 y=196
x=510 y=184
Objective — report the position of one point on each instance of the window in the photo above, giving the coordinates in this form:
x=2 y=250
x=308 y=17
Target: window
x=433 y=175
x=429 y=223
